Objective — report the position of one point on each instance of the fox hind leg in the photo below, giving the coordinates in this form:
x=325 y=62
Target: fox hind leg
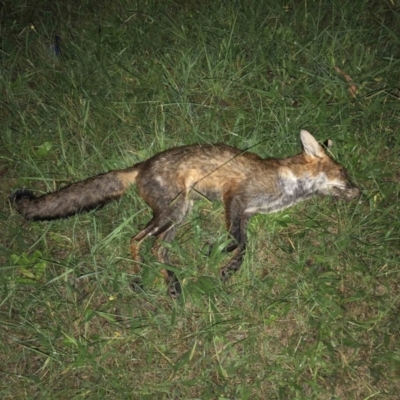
x=154 y=228
x=163 y=226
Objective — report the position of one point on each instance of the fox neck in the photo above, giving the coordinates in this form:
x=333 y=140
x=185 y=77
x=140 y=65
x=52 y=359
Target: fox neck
x=290 y=190
x=295 y=189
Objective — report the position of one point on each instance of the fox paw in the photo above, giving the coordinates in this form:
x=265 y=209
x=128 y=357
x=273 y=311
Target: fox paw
x=174 y=289
x=136 y=285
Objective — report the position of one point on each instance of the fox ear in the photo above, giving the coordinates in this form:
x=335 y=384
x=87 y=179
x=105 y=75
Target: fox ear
x=310 y=145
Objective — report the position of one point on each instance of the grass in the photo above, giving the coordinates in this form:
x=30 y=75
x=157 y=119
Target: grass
x=314 y=311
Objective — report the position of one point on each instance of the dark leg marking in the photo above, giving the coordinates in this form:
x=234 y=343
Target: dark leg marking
x=237 y=224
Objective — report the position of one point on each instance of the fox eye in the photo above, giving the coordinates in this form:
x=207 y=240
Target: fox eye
x=343 y=172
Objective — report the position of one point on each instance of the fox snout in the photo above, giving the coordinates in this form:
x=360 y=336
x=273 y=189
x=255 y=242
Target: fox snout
x=352 y=193
x=347 y=192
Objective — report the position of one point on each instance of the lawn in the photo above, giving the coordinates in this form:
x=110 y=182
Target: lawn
x=90 y=86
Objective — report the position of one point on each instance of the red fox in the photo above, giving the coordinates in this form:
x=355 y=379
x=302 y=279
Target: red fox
x=170 y=181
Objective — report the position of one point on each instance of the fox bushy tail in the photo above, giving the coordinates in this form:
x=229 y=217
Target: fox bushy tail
x=75 y=198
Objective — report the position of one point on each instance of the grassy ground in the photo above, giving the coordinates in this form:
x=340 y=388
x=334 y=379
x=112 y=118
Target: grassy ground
x=313 y=313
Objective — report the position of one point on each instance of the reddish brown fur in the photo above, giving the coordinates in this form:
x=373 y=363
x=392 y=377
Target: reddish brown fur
x=171 y=180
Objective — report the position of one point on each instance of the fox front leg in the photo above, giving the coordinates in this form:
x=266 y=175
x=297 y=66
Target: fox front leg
x=236 y=220
x=236 y=260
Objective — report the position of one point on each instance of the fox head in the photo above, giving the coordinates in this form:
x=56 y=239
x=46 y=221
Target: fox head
x=331 y=176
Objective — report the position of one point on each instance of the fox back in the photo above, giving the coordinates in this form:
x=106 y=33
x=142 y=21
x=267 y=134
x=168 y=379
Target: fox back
x=170 y=181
